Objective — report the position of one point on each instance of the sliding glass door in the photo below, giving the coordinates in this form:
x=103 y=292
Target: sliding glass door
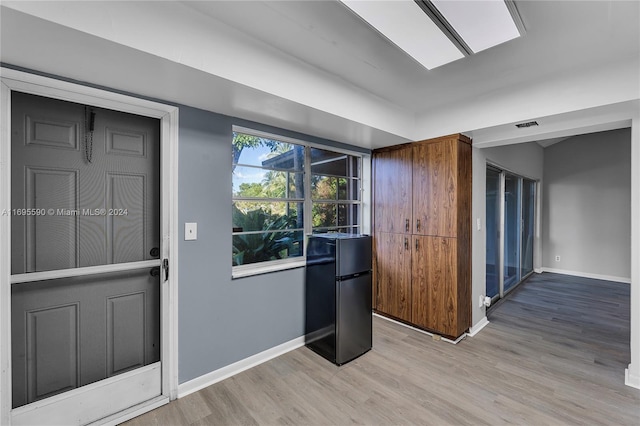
x=493 y=215
x=510 y=208
x=528 y=211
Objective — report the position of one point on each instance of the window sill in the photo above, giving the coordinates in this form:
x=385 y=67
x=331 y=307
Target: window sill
x=266 y=268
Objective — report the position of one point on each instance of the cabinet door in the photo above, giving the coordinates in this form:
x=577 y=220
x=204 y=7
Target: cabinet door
x=392 y=274
x=435 y=188
x=434 y=295
x=392 y=191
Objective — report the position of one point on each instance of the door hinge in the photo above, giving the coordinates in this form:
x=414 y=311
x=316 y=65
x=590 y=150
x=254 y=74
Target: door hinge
x=165 y=265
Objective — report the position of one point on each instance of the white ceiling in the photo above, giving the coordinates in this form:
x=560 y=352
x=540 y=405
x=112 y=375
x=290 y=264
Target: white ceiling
x=315 y=67
x=560 y=36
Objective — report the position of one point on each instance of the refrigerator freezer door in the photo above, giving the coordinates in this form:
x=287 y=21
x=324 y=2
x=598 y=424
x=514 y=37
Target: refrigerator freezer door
x=353 y=255
x=354 y=318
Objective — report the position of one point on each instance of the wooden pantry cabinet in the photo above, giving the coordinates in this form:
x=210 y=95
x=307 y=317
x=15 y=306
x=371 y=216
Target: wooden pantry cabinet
x=422 y=234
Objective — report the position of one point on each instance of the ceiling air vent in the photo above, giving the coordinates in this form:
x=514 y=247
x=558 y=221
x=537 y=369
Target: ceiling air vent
x=527 y=124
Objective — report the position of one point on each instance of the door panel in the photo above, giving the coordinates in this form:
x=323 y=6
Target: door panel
x=106 y=210
x=98 y=200
x=52 y=350
x=434 y=188
x=392 y=270
x=111 y=327
x=392 y=191
x=512 y=231
x=50 y=242
x=493 y=214
x=125 y=332
x=528 y=222
x=126 y=232
x=435 y=271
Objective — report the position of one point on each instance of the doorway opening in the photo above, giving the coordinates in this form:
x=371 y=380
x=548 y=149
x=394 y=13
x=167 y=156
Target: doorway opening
x=69 y=232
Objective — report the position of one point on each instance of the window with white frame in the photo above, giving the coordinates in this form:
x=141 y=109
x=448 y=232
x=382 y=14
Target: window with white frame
x=284 y=189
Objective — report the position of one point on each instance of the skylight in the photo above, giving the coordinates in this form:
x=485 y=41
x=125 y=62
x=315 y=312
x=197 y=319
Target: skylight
x=481 y=24
x=437 y=32
x=409 y=28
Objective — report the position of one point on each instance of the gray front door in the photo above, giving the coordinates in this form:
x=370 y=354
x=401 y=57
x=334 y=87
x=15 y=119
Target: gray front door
x=85 y=245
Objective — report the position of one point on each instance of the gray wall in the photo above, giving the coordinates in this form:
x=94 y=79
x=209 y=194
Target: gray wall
x=524 y=159
x=587 y=204
x=221 y=320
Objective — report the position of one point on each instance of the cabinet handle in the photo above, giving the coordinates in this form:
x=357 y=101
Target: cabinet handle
x=406 y=225
x=406 y=243
x=418 y=225
x=417 y=244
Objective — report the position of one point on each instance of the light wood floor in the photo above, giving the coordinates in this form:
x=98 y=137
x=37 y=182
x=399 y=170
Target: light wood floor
x=554 y=353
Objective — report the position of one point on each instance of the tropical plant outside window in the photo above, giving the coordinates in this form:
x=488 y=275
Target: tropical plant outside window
x=272 y=186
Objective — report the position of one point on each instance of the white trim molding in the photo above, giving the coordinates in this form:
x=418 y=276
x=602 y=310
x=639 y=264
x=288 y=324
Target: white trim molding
x=5 y=260
x=478 y=327
x=631 y=379
x=588 y=275
x=14 y=80
x=216 y=376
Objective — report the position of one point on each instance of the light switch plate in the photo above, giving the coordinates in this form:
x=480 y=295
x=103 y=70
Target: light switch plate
x=190 y=231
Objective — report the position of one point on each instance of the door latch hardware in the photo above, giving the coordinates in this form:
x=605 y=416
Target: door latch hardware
x=165 y=265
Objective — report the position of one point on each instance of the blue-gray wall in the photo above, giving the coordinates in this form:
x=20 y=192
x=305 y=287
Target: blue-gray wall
x=221 y=320
x=587 y=205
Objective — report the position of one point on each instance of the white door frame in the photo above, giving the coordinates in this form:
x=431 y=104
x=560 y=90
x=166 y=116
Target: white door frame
x=11 y=80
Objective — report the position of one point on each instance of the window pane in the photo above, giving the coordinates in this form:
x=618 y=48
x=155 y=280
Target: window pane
x=334 y=163
x=255 y=182
x=354 y=166
x=348 y=214
x=262 y=247
x=325 y=214
x=333 y=188
x=493 y=215
x=267 y=153
x=251 y=216
x=512 y=230
x=528 y=212
x=343 y=194
x=323 y=187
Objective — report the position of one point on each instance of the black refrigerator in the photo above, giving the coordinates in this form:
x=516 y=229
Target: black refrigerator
x=338 y=322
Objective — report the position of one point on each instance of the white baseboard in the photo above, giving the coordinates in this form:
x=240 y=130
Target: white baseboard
x=216 y=376
x=479 y=326
x=538 y=270
x=588 y=275
x=631 y=379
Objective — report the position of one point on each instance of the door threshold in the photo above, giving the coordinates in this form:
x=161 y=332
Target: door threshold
x=135 y=411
